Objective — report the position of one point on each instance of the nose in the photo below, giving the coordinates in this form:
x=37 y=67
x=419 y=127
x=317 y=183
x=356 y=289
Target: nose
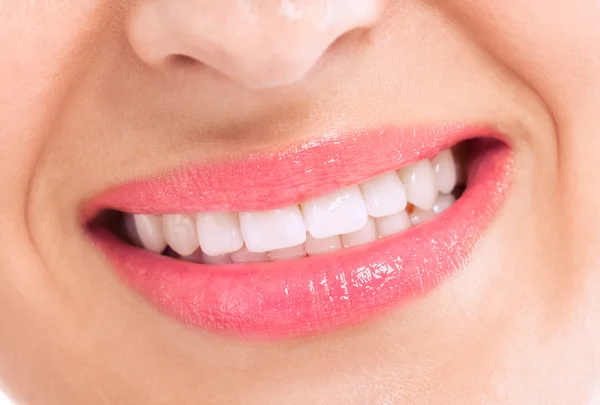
x=259 y=43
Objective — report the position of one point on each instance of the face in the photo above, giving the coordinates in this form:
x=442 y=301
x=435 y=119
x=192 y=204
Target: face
x=247 y=136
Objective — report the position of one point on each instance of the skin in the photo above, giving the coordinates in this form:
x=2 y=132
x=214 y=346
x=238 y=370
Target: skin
x=91 y=96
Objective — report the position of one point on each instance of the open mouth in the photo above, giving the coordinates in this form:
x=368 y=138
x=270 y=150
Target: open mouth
x=310 y=238
x=355 y=215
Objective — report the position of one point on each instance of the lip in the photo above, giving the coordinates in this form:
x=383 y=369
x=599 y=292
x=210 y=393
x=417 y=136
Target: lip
x=280 y=300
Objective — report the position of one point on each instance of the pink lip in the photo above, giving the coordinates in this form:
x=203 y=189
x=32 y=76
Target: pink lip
x=316 y=294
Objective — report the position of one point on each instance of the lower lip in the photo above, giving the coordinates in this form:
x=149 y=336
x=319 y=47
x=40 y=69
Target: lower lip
x=281 y=300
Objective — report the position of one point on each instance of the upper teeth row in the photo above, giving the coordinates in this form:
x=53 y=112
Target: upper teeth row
x=346 y=212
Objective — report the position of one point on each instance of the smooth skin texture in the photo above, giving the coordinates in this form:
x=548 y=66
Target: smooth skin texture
x=93 y=93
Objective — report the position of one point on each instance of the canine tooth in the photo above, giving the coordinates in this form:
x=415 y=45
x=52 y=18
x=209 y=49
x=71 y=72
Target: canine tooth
x=343 y=211
x=221 y=259
x=384 y=195
x=393 y=224
x=443 y=202
x=180 y=233
x=419 y=183
x=272 y=230
x=367 y=234
x=316 y=246
x=219 y=233
x=419 y=215
x=445 y=171
x=291 y=253
x=150 y=232
x=245 y=256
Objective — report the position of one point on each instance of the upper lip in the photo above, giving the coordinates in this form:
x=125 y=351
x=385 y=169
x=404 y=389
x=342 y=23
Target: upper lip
x=274 y=300
x=281 y=177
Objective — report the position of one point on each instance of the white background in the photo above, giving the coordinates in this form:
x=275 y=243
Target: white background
x=4 y=400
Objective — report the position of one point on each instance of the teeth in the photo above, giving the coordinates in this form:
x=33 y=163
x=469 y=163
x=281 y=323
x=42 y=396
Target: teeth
x=291 y=253
x=443 y=202
x=385 y=205
x=150 y=232
x=365 y=235
x=131 y=232
x=316 y=246
x=221 y=259
x=245 y=256
x=272 y=230
x=196 y=257
x=384 y=195
x=180 y=233
x=419 y=183
x=418 y=215
x=445 y=171
x=219 y=233
x=338 y=213
x=392 y=224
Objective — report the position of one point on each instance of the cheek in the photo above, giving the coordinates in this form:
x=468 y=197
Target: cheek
x=38 y=40
x=555 y=49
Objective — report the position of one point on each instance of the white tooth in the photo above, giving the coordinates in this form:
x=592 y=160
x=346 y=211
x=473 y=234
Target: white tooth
x=418 y=215
x=392 y=224
x=180 y=233
x=291 y=253
x=443 y=202
x=131 y=232
x=343 y=211
x=365 y=235
x=195 y=257
x=445 y=171
x=316 y=246
x=384 y=195
x=150 y=232
x=245 y=256
x=272 y=230
x=221 y=259
x=419 y=183
x=219 y=233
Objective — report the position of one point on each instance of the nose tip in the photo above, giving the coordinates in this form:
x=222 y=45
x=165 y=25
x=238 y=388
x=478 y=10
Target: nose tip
x=259 y=44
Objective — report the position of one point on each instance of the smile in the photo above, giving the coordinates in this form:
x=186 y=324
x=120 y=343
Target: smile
x=308 y=238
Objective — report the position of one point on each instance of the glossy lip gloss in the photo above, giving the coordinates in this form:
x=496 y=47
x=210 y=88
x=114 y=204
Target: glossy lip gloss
x=316 y=294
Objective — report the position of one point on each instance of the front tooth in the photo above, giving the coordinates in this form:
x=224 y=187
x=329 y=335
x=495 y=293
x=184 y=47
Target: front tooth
x=150 y=232
x=418 y=215
x=443 y=202
x=445 y=171
x=384 y=195
x=341 y=212
x=367 y=234
x=392 y=224
x=219 y=233
x=180 y=233
x=316 y=246
x=291 y=253
x=245 y=256
x=272 y=230
x=419 y=183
